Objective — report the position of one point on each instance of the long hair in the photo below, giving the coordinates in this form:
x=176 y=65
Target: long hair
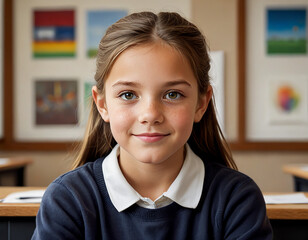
x=206 y=139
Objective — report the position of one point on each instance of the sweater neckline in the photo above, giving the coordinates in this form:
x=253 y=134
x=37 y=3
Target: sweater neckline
x=145 y=214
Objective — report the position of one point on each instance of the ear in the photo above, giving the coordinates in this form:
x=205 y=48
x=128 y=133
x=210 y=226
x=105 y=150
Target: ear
x=100 y=103
x=203 y=103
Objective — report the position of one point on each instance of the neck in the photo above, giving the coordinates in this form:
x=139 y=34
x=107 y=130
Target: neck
x=152 y=180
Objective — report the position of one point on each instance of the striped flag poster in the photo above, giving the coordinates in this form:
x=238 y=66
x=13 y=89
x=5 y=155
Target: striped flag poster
x=54 y=33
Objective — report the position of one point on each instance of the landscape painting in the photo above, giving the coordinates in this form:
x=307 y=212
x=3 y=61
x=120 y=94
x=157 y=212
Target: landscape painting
x=286 y=31
x=97 y=23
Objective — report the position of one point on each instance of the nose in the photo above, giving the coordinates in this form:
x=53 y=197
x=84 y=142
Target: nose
x=151 y=113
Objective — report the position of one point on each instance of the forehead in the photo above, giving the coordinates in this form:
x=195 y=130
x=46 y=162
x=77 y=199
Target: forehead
x=153 y=61
x=152 y=49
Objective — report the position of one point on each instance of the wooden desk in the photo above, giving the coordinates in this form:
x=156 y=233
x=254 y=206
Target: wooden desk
x=287 y=211
x=15 y=166
x=18 y=209
x=289 y=221
x=300 y=176
x=17 y=220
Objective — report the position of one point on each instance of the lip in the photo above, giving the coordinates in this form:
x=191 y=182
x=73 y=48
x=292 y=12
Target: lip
x=151 y=137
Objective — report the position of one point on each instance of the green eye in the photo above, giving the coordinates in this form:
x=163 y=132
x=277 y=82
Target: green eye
x=128 y=96
x=173 y=95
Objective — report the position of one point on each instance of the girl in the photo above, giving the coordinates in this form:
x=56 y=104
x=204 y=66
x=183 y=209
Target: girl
x=154 y=163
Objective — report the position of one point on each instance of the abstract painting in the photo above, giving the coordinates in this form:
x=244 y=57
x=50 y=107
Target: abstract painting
x=288 y=101
x=56 y=102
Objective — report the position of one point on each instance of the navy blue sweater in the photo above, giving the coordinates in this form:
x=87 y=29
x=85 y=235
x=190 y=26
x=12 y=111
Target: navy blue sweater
x=77 y=206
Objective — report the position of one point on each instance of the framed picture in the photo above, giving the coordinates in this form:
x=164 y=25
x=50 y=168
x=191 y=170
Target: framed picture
x=273 y=82
x=97 y=23
x=56 y=102
x=53 y=33
x=50 y=65
x=287 y=101
x=286 y=30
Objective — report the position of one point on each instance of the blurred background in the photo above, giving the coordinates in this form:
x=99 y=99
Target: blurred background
x=49 y=62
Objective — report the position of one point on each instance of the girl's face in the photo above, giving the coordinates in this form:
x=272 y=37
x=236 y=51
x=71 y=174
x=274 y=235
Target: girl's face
x=151 y=102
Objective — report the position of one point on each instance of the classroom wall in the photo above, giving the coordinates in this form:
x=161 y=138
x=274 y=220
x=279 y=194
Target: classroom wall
x=217 y=20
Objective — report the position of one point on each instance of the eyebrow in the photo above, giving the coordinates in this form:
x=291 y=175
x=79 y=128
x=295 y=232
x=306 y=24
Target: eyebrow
x=178 y=82
x=125 y=83
x=136 y=84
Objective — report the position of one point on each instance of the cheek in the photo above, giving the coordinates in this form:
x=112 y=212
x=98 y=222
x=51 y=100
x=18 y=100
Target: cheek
x=183 y=119
x=120 y=121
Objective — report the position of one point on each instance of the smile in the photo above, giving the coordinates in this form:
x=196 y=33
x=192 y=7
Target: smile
x=150 y=137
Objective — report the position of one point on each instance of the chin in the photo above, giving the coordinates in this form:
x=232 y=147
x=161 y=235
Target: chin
x=150 y=160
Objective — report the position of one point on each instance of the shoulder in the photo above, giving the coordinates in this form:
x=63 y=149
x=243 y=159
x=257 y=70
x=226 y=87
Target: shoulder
x=88 y=170
x=230 y=187
x=217 y=174
x=67 y=201
x=76 y=182
x=236 y=203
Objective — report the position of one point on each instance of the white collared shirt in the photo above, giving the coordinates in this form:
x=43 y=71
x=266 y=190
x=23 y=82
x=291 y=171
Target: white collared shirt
x=185 y=190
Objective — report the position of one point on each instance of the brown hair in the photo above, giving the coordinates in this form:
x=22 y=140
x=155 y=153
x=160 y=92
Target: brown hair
x=206 y=139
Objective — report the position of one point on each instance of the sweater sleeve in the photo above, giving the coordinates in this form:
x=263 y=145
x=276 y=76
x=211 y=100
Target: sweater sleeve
x=245 y=214
x=58 y=216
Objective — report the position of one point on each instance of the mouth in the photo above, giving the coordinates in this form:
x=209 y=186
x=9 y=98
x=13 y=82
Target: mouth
x=151 y=137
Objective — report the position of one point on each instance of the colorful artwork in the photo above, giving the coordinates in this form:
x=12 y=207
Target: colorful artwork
x=97 y=23
x=56 y=102
x=54 y=34
x=288 y=102
x=287 y=98
x=286 y=31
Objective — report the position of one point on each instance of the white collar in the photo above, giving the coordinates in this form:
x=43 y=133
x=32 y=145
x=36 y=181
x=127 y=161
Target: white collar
x=185 y=190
